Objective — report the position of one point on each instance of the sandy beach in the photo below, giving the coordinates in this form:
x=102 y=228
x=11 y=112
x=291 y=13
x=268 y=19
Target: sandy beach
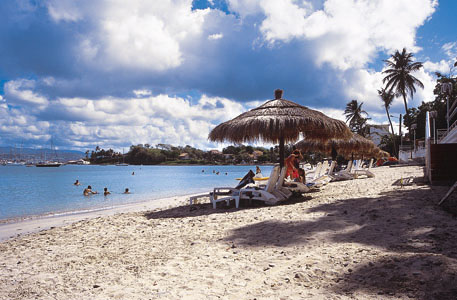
x=361 y=239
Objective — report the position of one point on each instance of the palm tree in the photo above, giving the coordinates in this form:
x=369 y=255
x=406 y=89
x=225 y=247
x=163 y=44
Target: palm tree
x=354 y=115
x=387 y=98
x=399 y=78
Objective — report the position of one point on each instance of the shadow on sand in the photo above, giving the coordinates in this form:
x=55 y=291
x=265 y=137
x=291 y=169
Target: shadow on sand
x=407 y=223
x=206 y=209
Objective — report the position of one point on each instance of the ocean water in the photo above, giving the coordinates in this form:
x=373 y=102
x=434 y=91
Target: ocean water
x=30 y=191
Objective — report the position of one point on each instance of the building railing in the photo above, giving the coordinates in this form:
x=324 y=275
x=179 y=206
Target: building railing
x=441 y=134
x=450 y=115
x=406 y=147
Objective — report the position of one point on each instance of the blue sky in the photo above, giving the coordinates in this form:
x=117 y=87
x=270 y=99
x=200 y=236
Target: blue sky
x=115 y=73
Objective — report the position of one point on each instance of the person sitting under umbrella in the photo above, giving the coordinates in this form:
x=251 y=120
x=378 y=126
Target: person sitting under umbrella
x=292 y=163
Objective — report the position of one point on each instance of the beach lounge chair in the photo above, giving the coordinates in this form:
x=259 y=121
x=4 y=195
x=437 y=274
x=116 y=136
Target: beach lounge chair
x=343 y=174
x=321 y=176
x=367 y=172
x=326 y=171
x=273 y=192
x=296 y=187
x=230 y=193
x=313 y=173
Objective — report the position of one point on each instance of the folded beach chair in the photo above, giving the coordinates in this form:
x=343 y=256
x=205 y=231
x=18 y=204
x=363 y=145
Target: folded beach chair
x=273 y=192
x=230 y=193
x=367 y=172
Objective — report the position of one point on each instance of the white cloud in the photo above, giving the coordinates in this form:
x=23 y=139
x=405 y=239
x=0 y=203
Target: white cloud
x=347 y=33
x=216 y=36
x=128 y=51
x=425 y=94
x=450 y=49
x=20 y=92
x=142 y=93
x=141 y=34
x=245 y=7
x=116 y=122
x=363 y=85
x=63 y=10
x=18 y=125
x=442 y=66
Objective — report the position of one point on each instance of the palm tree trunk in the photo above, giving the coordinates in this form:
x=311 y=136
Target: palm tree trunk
x=406 y=112
x=408 y=123
x=393 y=134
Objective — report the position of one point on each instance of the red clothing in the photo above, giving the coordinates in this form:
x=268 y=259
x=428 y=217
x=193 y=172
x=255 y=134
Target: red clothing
x=290 y=165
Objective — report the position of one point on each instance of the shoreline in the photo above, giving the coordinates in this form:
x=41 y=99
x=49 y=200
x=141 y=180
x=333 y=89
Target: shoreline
x=15 y=227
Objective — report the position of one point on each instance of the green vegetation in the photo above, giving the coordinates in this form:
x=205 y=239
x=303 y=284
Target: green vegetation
x=399 y=79
x=177 y=155
x=357 y=117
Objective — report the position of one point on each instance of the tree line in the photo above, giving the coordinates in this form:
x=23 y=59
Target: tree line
x=145 y=154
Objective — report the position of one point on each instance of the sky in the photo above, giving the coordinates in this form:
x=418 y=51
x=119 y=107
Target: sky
x=114 y=73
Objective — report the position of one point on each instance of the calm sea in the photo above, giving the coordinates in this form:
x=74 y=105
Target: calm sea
x=28 y=191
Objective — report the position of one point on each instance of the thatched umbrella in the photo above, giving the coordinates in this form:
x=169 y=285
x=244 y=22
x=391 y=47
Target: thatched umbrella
x=279 y=121
x=314 y=146
x=356 y=144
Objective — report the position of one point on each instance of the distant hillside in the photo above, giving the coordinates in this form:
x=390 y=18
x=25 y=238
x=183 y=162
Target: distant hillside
x=37 y=154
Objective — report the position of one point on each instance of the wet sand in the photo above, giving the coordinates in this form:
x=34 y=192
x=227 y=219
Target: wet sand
x=360 y=239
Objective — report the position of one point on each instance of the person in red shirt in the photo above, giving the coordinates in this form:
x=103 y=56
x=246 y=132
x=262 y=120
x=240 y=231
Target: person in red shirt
x=292 y=164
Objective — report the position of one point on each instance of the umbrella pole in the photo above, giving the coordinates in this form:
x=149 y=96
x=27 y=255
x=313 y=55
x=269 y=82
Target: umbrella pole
x=281 y=152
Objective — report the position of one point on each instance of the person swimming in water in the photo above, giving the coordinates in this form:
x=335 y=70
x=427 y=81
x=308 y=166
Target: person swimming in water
x=105 y=191
x=77 y=182
x=88 y=191
x=126 y=191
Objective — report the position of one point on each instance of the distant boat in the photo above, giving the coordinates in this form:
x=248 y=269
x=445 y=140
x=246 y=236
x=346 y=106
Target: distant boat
x=48 y=164
x=14 y=164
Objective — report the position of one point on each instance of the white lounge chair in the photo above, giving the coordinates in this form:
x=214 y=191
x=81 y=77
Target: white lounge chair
x=273 y=191
x=313 y=173
x=227 y=193
x=367 y=172
x=292 y=186
x=321 y=176
x=343 y=174
x=324 y=176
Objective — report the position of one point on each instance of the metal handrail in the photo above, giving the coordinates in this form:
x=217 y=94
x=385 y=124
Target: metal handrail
x=453 y=106
x=452 y=113
x=440 y=138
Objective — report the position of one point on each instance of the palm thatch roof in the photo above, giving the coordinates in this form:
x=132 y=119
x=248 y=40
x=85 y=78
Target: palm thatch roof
x=314 y=146
x=356 y=144
x=279 y=119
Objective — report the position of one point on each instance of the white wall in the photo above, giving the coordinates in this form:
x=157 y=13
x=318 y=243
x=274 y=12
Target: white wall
x=405 y=156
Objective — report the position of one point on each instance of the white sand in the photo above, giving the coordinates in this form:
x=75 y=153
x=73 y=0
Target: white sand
x=15 y=228
x=360 y=239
